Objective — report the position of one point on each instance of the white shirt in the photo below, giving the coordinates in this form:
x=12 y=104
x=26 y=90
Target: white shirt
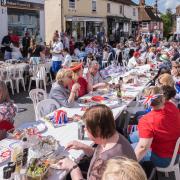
x=67 y=60
x=57 y=46
x=132 y=62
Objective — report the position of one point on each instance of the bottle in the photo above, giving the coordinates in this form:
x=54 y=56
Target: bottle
x=120 y=81
x=25 y=152
x=12 y=166
x=6 y=172
x=16 y=156
x=81 y=130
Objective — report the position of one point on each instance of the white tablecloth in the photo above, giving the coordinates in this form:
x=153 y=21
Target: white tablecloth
x=69 y=132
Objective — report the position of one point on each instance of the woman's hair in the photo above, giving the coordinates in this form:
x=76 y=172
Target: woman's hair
x=99 y=121
x=62 y=73
x=154 y=90
x=4 y=94
x=166 y=80
x=121 y=168
x=169 y=92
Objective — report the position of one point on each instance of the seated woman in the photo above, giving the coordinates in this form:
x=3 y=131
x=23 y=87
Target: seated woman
x=121 y=168
x=159 y=129
x=60 y=89
x=165 y=80
x=85 y=87
x=7 y=109
x=100 y=128
x=16 y=51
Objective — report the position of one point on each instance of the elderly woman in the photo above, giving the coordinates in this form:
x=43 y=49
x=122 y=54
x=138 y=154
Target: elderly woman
x=165 y=80
x=100 y=128
x=60 y=89
x=7 y=111
x=159 y=129
x=85 y=87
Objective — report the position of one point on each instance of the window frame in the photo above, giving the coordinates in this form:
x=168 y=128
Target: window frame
x=72 y=5
x=94 y=2
x=134 y=11
x=108 y=7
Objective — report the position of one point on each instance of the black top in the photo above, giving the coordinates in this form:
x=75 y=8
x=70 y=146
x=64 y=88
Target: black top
x=36 y=52
x=6 y=41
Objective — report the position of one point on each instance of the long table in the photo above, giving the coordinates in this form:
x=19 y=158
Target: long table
x=69 y=132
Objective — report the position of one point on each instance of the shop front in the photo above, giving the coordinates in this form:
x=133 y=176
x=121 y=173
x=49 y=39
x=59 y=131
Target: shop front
x=118 y=28
x=81 y=27
x=22 y=16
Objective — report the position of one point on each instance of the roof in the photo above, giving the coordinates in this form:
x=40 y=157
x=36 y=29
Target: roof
x=146 y=14
x=126 y=2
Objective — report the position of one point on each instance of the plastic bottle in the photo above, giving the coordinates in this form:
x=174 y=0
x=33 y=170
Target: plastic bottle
x=25 y=151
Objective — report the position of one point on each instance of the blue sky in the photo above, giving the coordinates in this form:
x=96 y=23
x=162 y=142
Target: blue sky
x=163 y=4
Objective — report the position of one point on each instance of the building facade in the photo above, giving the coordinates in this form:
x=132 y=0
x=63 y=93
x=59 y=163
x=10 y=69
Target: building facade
x=20 y=16
x=83 y=18
x=149 y=20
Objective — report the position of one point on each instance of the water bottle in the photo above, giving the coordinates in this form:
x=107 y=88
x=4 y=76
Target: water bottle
x=81 y=132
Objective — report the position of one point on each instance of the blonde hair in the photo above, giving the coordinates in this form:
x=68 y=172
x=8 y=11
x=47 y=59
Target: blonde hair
x=4 y=94
x=62 y=73
x=166 y=80
x=121 y=168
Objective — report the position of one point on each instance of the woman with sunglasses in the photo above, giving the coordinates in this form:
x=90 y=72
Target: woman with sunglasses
x=60 y=89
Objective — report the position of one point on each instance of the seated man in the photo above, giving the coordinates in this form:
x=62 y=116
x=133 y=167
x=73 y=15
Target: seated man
x=159 y=129
x=134 y=61
x=94 y=77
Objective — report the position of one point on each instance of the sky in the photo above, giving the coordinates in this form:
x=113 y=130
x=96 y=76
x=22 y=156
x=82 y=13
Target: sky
x=163 y=4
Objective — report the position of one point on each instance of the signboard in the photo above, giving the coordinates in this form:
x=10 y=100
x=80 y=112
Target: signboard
x=178 y=25
x=21 y=4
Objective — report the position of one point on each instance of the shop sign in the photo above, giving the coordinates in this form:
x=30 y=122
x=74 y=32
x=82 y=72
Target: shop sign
x=21 y=4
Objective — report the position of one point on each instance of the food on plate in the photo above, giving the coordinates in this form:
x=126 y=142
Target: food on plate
x=5 y=154
x=37 y=169
x=98 y=98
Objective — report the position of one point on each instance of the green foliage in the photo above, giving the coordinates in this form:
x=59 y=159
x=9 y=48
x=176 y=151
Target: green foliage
x=167 y=21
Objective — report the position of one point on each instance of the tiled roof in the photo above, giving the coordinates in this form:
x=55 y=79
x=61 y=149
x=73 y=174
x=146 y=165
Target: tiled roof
x=126 y=2
x=146 y=14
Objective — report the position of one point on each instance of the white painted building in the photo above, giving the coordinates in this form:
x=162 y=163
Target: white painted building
x=122 y=18
x=21 y=16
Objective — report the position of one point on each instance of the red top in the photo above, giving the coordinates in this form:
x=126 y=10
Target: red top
x=164 y=127
x=84 y=86
x=154 y=40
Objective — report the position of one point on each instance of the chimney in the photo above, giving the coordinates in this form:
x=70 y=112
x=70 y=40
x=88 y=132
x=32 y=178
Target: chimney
x=142 y=2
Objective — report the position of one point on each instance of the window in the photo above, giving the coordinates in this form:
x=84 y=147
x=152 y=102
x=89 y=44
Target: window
x=108 y=7
x=145 y=25
x=93 y=5
x=72 y=4
x=121 y=9
x=134 y=12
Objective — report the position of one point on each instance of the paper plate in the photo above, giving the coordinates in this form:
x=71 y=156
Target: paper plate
x=98 y=98
x=5 y=154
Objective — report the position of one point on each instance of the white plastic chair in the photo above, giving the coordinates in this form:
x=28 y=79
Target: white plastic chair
x=45 y=107
x=18 y=77
x=39 y=77
x=6 y=76
x=36 y=96
x=174 y=166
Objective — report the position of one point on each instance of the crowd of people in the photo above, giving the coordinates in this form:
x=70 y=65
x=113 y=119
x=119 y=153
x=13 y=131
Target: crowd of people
x=158 y=125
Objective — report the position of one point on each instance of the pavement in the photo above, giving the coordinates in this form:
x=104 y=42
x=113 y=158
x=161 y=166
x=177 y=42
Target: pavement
x=26 y=114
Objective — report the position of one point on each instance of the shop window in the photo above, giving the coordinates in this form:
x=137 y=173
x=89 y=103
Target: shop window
x=121 y=9
x=93 y=5
x=134 y=12
x=145 y=25
x=108 y=7
x=72 y=4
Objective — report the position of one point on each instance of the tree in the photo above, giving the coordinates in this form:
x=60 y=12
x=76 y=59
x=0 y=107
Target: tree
x=167 y=19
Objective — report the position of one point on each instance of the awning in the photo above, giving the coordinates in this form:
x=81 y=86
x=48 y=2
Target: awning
x=118 y=19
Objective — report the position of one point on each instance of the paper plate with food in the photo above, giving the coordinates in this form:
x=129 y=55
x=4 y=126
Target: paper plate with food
x=5 y=154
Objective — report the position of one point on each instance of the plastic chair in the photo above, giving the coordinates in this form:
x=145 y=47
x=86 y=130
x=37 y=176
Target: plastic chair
x=18 y=77
x=45 y=107
x=174 y=166
x=40 y=76
x=6 y=76
x=36 y=96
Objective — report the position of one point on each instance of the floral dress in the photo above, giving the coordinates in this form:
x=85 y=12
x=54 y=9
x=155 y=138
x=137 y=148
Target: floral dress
x=7 y=111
